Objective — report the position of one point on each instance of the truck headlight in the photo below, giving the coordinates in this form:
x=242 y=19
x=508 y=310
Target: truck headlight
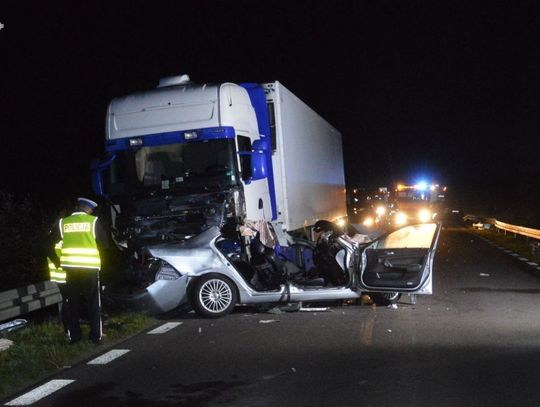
x=167 y=272
x=424 y=215
x=401 y=218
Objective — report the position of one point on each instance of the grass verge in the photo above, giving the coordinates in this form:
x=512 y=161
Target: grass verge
x=41 y=349
x=518 y=244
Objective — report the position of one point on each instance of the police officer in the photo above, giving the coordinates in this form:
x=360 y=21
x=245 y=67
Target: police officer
x=82 y=236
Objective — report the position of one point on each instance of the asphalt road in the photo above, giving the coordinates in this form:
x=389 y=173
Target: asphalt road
x=475 y=342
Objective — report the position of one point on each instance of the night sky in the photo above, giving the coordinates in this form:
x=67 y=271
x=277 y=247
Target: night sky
x=445 y=90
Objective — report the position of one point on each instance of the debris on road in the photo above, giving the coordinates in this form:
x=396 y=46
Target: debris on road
x=393 y=306
x=389 y=330
x=293 y=369
x=366 y=299
x=12 y=325
x=484 y=275
x=200 y=330
x=322 y=309
x=5 y=344
x=268 y=321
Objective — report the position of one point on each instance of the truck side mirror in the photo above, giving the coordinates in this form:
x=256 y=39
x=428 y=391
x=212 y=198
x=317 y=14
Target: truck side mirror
x=259 y=165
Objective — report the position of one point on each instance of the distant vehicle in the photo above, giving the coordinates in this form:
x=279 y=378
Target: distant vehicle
x=421 y=202
x=368 y=208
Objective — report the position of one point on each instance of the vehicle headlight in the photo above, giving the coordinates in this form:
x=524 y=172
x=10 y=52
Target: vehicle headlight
x=424 y=215
x=341 y=222
x=369 y=221
x=380 y=211
x=167 y=272
x=401 y=218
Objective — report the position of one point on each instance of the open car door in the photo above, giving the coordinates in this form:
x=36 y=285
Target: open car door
x=401 y=260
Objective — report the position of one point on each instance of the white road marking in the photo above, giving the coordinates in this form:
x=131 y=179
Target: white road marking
x=164 y=328
x=532 y=263
x=523 y=259
x=514 y=254
x=39 y=392
x=108 y=357
x=507 y=251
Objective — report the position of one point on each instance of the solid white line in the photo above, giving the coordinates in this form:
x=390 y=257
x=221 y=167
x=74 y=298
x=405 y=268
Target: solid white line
x=39 y=392
x=164 y=328
x=108 y=357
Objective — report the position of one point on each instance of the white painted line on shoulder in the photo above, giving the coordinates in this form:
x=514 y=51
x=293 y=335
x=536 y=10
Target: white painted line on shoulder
x=108 y=357
x=164 y=328
x=532 y=263
x=39 y=392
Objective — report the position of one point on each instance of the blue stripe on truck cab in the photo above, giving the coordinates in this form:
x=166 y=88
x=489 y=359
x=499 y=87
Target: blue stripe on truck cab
x=172 y=137
x=258 y=101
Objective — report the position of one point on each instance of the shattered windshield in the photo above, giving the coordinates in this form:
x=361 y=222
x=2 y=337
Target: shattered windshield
x=208 y=164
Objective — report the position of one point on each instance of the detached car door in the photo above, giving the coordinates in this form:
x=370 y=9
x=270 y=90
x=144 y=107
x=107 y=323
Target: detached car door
x=401 y=260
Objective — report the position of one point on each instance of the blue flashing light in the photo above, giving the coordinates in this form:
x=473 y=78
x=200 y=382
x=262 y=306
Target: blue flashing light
x=422 y=186
x=173 y=137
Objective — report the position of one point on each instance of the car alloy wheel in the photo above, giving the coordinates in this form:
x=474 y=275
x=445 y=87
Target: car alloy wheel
x=215 y=296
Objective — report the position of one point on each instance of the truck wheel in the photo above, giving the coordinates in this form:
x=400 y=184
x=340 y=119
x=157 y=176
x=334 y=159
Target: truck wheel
x=385 y=298
x=214 y=296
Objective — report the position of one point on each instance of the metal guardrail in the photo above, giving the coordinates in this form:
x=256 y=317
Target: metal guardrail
x=19 y=301
x=519 y=230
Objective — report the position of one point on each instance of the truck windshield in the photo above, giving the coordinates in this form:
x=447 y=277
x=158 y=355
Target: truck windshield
x=412 y=196
x=208 y=164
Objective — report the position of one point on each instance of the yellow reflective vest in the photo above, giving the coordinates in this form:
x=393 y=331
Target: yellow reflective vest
x=56 y=274
x=79 y=248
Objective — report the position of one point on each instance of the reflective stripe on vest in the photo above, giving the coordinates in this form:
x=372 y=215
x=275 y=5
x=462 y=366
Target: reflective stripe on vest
x=79 y=248
x=56 y=274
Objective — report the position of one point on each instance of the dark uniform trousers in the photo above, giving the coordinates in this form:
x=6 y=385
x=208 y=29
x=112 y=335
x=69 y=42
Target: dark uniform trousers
x=86 y=282
x=62 y=306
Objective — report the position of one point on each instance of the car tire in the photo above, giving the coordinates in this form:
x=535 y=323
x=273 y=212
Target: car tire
x=214 y=296
x=385 y=298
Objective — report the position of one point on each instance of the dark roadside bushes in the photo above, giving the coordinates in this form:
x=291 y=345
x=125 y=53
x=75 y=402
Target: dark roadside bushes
x=23 y=232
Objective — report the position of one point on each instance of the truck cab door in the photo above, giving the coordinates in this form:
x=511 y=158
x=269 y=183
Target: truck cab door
x=401 y=260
